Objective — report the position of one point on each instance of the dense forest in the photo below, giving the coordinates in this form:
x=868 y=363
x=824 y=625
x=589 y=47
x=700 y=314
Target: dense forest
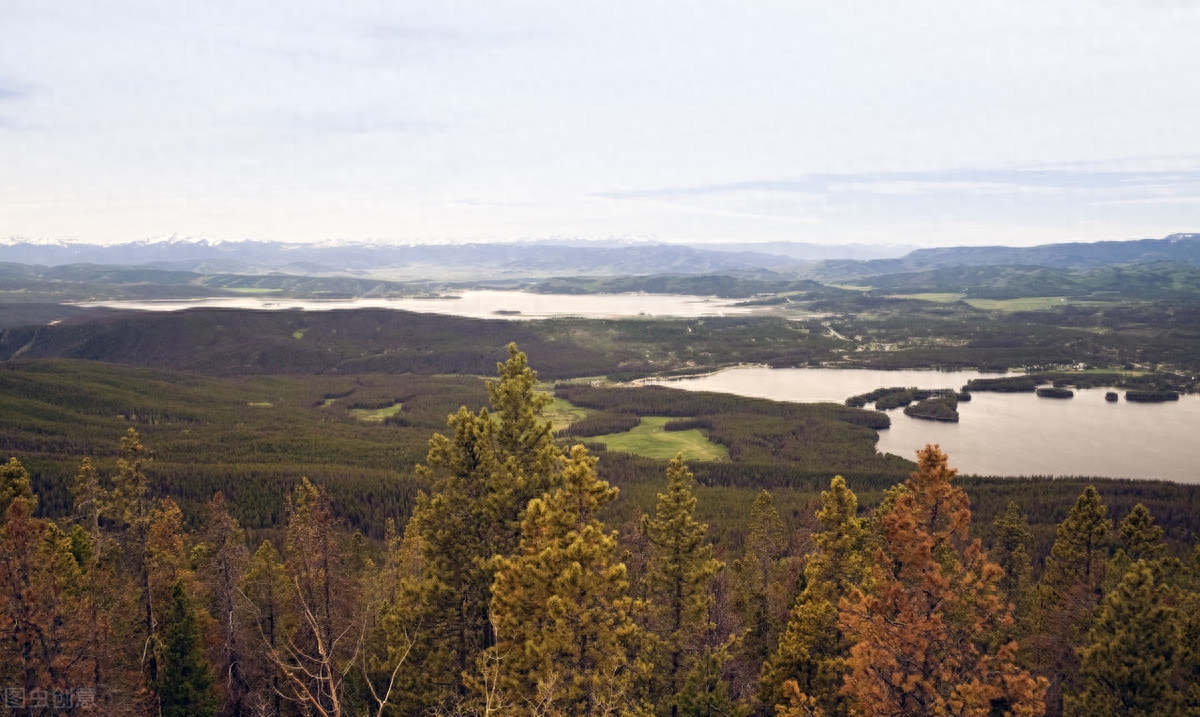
x=511 y=587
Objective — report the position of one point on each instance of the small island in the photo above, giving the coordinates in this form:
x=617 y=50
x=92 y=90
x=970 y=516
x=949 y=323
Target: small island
x=1008 y=384
x=1055 y=392
x=937 y=404
x=942 y=407
x=1151 y=396
x=1111 y=396
x=885 y=398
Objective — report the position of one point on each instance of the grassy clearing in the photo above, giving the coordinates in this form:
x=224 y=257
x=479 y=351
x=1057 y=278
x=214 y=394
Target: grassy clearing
x=562 y=413
x=1032 y=303
x=251 y=290
x=650 y=440
x=852 y=287
x=375 y=415
x=935 y=297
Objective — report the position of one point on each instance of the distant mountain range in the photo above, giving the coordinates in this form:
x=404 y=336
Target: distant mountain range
x=421 y=261
x=1184 y=248
x=542 y=259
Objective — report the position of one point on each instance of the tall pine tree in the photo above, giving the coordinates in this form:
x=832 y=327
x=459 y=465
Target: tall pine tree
x=1134 y=649
x=812 y=652
x=482 y=479
x=44 y=626
x=924 y=628
x=680 y=570
x=14 y=483
x=1067 y=595
x=566 y=640
x=185 y=684
x=1008 y=551
x=762 y=590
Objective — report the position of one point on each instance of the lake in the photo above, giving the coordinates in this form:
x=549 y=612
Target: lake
x=479 y=304
x=1006 y=434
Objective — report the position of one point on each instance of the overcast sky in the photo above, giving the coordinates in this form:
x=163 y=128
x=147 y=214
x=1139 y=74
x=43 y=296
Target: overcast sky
x=889 y=121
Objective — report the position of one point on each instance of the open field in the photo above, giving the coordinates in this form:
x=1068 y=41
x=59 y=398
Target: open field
x=650 y=439
x=376 y=415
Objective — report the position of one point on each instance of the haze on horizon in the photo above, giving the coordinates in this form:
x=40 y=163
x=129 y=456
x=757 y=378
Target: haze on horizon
x=927 y=123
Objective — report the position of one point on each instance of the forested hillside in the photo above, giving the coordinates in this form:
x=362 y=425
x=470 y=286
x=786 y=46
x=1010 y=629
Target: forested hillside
x=509 y=585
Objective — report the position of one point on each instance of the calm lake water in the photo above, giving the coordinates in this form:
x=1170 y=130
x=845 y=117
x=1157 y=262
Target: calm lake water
x=478 y=304
x=1003 y=433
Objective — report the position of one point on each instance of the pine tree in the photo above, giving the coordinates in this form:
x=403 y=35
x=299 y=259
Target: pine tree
x=566 y=640
x=265 y=591
x=324 y=603
x=1134 y=649
x=185 y=685
x=482 y=479
x=705 y=692
x=128 y=507
x=1140 y=538
x=89 y=500
x=44 y=630
x=391 y=623
x=1008 y=551
x=681 y=568
x=1077 y=559
x=1188 y=616
x=14 y=483
x=812 y=652
x=924 y=627
x=1071 y=587
x=104 y=580
x=762 y=592
x=223 y=559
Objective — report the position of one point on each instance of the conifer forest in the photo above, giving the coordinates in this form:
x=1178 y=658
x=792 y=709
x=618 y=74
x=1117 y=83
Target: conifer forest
x=517 y=582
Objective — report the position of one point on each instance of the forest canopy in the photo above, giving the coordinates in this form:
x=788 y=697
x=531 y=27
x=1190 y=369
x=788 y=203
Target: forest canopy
x=508 y=592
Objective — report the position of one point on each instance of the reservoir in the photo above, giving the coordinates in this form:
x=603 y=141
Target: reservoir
x=1003 y=434
x=478 y=304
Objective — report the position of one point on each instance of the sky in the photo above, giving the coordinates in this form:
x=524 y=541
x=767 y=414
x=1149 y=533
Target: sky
x=884 y=122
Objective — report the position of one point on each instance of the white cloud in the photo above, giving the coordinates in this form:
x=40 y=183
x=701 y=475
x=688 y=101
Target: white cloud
x=306 y=120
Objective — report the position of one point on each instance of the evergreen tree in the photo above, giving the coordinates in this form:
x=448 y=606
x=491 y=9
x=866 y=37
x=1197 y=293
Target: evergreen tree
x=681 y=568
x=324 y=601
x=1077 y=559
x=223 y=559
x=89 y=499
x=1008 y=551
x=762 y=592
x=14 y=483
x=1071 y=587
x=705 y=692
x=925 y=625
x=44 y=630
x=812 y=651
x=128 y=507
x=104 y=580
x=265 y=589
x=185 y=685
x=566 y=640
x=1188 y=617
x=1134 y=649
x=390 y=623
x=482 y=479
x=1140 y=538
